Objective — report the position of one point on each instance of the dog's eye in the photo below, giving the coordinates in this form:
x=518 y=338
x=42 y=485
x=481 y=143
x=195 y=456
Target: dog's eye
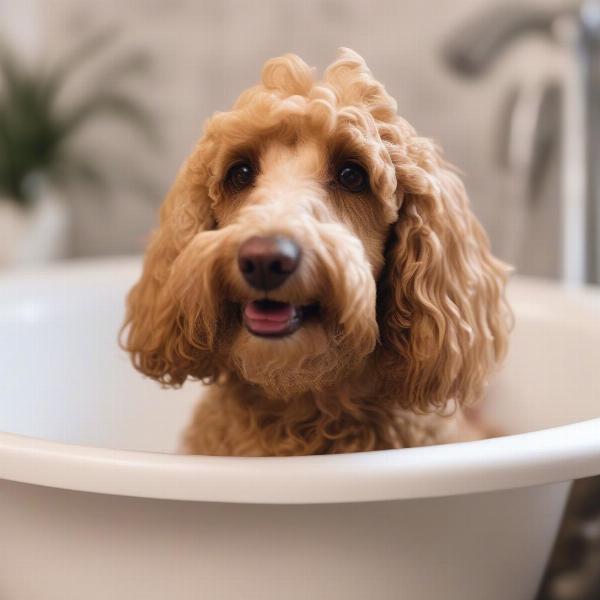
x=352 y=177
x=239 y=176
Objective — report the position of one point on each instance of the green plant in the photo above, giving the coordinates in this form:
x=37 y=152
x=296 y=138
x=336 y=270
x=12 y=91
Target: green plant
x=36 y=129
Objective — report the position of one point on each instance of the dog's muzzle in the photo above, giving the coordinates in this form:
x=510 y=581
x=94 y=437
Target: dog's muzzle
x=266 y=263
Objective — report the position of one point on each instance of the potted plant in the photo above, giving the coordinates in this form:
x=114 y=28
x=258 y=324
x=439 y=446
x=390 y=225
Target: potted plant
x=37 y=157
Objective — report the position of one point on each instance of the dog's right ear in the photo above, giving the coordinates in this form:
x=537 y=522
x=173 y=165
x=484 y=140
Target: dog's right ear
x=154 y=331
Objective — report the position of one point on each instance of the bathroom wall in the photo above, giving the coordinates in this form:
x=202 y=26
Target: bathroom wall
x=206 y=52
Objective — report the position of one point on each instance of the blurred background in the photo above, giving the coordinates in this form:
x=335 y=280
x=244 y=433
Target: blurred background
x=100 y=102
x=177 y=61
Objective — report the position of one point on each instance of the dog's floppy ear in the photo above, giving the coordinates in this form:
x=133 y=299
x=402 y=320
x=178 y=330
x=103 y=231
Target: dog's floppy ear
x=161 y=343
x=442 y=314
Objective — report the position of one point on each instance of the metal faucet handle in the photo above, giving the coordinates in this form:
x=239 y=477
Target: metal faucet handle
x=474 y=47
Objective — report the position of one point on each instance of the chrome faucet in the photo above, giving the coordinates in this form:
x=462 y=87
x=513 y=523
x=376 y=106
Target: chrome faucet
x=575 y=27
x=473 y=49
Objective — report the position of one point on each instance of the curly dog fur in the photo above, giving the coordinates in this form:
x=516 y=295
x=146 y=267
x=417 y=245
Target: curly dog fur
x=411 y=316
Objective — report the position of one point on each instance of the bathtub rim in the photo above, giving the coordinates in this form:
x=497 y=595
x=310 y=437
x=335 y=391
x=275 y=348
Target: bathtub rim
x=546 y=456
x=535 y=458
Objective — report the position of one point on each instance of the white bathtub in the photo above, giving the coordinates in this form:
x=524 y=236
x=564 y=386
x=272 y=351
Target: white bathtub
x=93 y=507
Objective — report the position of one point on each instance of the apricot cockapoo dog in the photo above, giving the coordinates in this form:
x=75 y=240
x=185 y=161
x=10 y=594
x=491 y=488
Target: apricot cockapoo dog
x=317 y=263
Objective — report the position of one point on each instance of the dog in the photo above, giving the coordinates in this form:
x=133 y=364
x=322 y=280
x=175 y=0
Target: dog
x=318 y=265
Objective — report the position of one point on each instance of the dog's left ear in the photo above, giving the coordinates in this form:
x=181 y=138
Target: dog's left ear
x=442 y=314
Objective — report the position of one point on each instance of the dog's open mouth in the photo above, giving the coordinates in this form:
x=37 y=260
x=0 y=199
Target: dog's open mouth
x=269 y=318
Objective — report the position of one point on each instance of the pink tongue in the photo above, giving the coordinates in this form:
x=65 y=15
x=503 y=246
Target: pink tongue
x=280 y=313
x=270 y=320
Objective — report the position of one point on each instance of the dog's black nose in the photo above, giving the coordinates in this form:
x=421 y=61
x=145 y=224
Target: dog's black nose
x=266 y=262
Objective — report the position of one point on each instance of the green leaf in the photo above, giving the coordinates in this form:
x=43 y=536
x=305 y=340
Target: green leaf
x=35 y=133
x=52 y=82
x=77 y=167
x=113 y=104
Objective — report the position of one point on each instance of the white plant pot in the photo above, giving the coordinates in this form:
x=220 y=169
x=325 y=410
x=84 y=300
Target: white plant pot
x=35 y=234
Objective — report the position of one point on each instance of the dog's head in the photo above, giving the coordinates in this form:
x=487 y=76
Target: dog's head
x=310 y=233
